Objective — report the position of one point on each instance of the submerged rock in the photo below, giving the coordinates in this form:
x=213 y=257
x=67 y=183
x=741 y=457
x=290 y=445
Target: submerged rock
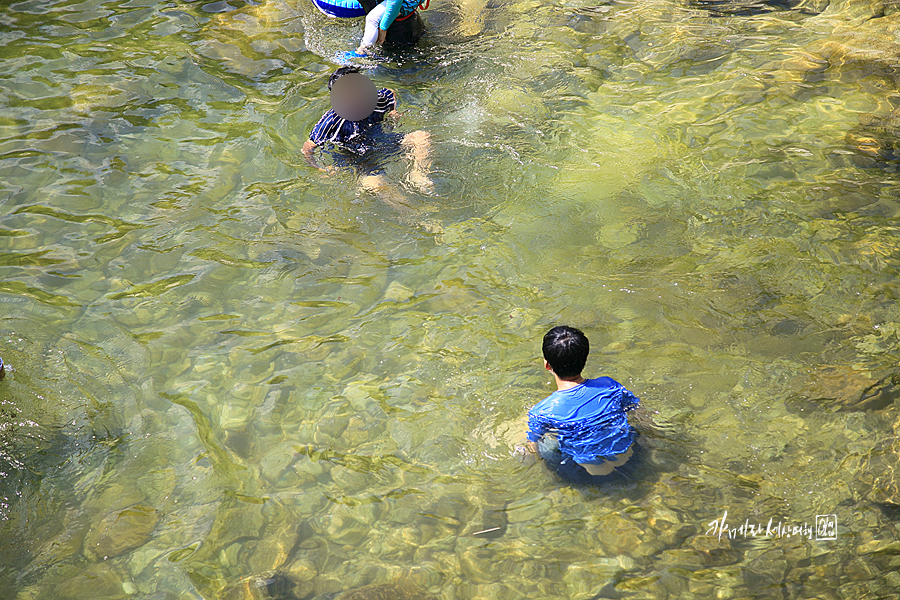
x=303 y=569
x=880 y=394
x=877 y=137
x=98 y=582
x=241 y=442
x=879 y=473
x=401 y=590
x=120 y=532
x=619 y=534
x=237 y=522
x=493 y=523
x=397 y=292
x=842 y=389
x=271 y=586
x=584 y=581
x=873 y=41
x=766 y=571
x=249 y=535
x=713 y=551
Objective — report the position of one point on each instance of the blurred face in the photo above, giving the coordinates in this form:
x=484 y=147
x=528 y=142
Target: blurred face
x=353 y=96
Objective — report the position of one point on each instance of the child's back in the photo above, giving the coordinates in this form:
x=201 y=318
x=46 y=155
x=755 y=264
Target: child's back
x=351 y=132
x=583 y=423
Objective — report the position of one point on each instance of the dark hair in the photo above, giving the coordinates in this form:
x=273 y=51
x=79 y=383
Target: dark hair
x=566 y=349
x=338 y=73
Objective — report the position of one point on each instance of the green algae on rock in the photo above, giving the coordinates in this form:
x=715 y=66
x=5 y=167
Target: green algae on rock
x=843 y=389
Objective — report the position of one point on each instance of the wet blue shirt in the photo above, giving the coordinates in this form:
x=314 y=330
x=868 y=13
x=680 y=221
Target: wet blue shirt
x=588 y=419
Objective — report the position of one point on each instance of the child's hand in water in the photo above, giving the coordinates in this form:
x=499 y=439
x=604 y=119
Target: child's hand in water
x=524 y=455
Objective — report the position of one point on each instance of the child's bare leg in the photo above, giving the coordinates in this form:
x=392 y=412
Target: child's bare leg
x=386 y=192
x=609 y=466
x=418 y=147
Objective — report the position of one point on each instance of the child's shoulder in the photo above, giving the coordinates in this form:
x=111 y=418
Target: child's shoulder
x=547 y=405
x=608 y=386
x=603 y=382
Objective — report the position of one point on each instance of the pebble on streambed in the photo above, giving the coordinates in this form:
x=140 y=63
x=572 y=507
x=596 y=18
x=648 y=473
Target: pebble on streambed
x=843 y=389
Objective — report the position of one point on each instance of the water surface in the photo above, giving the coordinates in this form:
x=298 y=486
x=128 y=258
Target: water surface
x=237 y=366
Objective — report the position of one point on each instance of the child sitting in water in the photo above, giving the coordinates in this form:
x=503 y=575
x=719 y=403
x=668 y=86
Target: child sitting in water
x=581 y=429
x=353 y=127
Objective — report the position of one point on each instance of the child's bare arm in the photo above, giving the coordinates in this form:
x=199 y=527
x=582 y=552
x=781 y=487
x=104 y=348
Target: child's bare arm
x=526 y=454
x=308 y=150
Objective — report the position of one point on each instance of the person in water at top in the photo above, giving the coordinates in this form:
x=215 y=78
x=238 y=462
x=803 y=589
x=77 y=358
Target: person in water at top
x=581 y=429
x=353 y=128
x=380 y=19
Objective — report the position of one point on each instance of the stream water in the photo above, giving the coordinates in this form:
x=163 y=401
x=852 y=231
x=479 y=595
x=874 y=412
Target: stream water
x=232 y=376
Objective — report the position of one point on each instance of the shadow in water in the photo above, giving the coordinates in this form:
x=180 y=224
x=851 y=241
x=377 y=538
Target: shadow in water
x=744 y=8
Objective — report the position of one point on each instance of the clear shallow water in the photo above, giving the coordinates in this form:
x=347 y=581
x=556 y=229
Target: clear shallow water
x=269 y=370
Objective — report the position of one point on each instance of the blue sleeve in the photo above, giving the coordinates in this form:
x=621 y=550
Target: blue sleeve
x=326 y=127
x=316 y=134
x=536 y=427
x=628 y=401
x=391 y=10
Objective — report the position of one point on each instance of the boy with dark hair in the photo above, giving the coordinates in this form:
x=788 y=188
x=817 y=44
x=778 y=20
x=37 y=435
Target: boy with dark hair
x=581 y=429
x=353 y=128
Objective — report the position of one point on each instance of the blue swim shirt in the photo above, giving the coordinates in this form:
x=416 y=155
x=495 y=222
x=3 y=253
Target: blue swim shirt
x=396 y=8
x=589 y=419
